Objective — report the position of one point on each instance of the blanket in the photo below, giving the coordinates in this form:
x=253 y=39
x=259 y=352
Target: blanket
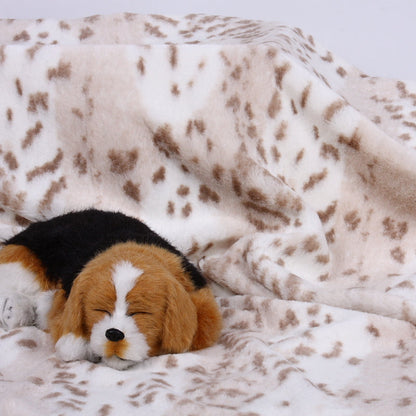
x=284 y=173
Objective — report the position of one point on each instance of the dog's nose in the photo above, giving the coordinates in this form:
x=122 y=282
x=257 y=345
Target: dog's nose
x=114 y=334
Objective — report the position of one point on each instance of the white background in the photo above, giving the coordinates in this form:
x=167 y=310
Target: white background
x=377 y=36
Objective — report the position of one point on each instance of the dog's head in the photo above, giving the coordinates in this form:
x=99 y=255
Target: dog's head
x=134 y=301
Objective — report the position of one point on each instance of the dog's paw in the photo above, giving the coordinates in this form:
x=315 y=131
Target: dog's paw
x=72 y=348
x=16 y=310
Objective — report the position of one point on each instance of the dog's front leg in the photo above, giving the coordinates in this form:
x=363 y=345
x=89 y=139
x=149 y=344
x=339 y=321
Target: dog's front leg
x=74 y=348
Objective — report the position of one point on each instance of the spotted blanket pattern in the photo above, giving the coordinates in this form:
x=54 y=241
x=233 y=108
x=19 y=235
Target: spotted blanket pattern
x=286 y=174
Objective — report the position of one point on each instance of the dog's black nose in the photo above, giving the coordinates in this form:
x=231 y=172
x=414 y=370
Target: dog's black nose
x=114 y=334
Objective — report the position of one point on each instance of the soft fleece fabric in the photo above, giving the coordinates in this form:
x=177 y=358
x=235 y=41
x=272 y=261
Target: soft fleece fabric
x=284 y=173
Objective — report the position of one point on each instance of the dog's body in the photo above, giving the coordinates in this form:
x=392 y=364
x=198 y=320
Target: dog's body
x=106 y=287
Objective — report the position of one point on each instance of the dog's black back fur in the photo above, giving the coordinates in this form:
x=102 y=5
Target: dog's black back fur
x=64 y=244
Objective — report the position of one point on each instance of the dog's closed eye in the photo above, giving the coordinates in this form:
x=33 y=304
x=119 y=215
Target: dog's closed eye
x=103 y=310
x=139 y=313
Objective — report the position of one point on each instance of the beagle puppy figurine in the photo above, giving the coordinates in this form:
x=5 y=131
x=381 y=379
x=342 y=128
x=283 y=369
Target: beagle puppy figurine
x=107 y=288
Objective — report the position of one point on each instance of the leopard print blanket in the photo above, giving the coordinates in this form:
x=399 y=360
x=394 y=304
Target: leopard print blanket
x=286 y=174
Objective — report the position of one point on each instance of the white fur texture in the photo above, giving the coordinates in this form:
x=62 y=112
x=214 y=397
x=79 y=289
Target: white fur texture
x=125 y=276
x=72 y=348
x=15 y=278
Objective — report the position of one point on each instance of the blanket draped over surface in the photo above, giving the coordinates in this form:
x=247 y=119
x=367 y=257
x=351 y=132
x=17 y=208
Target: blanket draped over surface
x=287 y=175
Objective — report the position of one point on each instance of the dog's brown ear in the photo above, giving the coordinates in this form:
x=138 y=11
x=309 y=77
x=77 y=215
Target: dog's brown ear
x=67 y=324
x=209 y=319
x=180 y=321
x=67 y=314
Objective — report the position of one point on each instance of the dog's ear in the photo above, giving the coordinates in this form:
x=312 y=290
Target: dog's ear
x=73 y=316
x=180 y=320
x=67 y=324
x=209 y=319
x=67 y=314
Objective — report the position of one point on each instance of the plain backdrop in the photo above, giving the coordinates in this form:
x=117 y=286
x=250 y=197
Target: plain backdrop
x=377 y=36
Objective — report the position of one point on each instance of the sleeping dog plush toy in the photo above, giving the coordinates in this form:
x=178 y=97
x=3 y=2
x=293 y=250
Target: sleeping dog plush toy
x=106 y=287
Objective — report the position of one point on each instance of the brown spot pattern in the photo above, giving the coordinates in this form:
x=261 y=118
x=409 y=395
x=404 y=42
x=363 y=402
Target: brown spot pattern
x=159 y=175
x=305 y=96
x=62 y=71
x=236 y=184
x=27 y=343
x=398 y=255
x=186 y=210
x=171 y=208
x=85 y=33
x=373 y=331
x=48 y=167
x=38 y=101
x=206 y=194
x=315 y=179
x=256 y=195
x=175 y=90
x=154 y=30
x=31 y=134
x=290 y=319
x=164 y=142
x=123 y=161
x=55 y=188
x=394 y=230
x=218 y=172
x=132 y=190
x=19 y=87
x=353 y=142
x=80 y=163
x=173 y=56
x=141 y=66
x=183 y=190
x=11 y=161
x=275 y=105
x=2 y=54
x=328 y=151
x=332 y=109
x=281 y=132
x=234 y=103
x=280 y=72
x=22 y=36
x=336 y=351
x=310 y=244
x=352 y=220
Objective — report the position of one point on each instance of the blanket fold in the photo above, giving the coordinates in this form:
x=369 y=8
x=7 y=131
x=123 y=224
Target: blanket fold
x=285 y=173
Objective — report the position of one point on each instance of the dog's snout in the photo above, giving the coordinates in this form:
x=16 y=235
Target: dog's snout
x=114 y=334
